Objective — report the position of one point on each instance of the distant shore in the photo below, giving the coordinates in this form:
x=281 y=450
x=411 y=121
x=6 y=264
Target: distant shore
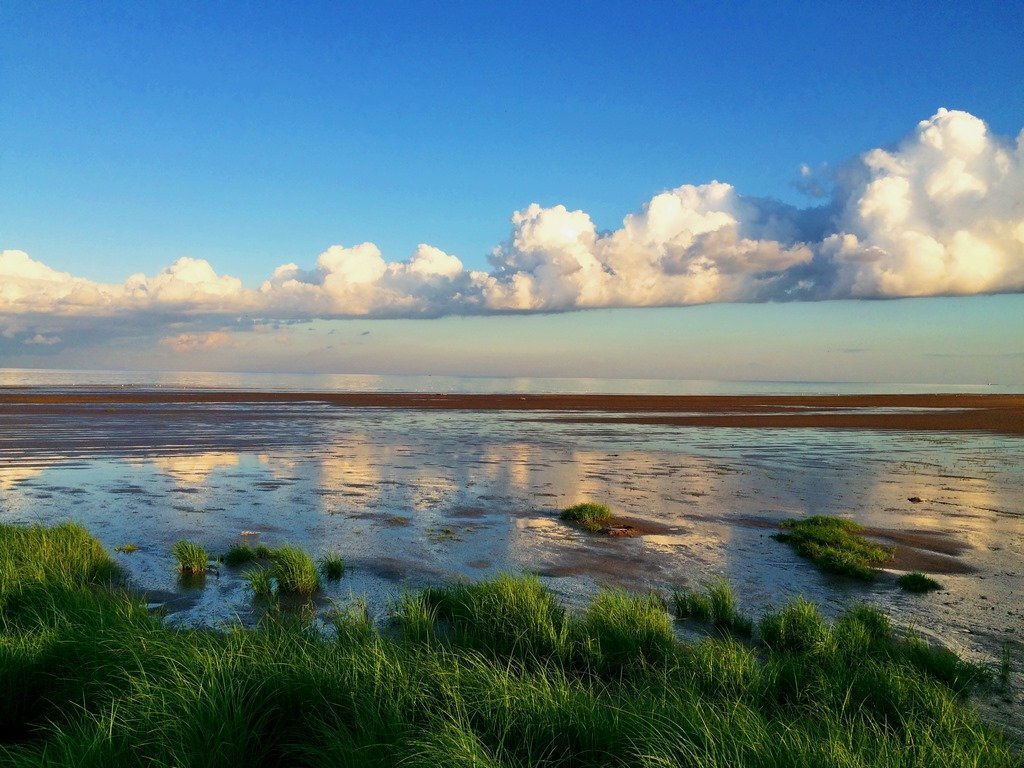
x=996 y=413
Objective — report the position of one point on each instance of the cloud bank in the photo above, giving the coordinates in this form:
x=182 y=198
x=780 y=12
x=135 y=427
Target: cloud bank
x=942 y=213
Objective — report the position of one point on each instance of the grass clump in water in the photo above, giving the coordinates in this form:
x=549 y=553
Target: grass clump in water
x=493 y=674
x=835 y=545
x=590 y=516
x=239 y=554
x=126 y=549
x=262 y=583
x=918 y=582
x=332 y=567
x=294 y=571
x=192 y=558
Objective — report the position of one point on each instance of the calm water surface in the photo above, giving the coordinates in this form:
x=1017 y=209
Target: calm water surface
x=411 y=498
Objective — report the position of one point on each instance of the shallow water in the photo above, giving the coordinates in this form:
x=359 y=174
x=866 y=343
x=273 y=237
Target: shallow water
x=411 y=498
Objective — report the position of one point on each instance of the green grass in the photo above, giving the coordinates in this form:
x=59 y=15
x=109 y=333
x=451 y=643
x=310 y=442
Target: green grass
x=592 y=517
x=716 y=605
x=332 y=567
x=918 y=582
x=294 y=571
x=262 y=582
x=192 y=558
x=690 y=604
x=491 y=674
x=239 y=554
x=835 y=545
x=291 y=570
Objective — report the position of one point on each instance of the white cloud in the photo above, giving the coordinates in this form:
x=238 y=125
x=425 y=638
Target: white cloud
x=44 y=340
x=190 y=342
x=942 y=213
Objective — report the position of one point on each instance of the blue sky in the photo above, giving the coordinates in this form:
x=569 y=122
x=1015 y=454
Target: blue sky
x=251 y=136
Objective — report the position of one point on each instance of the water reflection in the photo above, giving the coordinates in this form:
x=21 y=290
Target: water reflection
x=416 y=497
x=12 y=476
x=191 y=469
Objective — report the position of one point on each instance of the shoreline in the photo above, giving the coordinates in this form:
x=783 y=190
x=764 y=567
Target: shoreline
x=995 y=413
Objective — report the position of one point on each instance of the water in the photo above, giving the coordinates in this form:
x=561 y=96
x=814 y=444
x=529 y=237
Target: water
x=411 y=498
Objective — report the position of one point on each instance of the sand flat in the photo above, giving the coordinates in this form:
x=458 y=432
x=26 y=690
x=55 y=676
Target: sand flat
x=998 y=413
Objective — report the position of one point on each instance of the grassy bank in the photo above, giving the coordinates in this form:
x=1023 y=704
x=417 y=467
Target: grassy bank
x=488 y=674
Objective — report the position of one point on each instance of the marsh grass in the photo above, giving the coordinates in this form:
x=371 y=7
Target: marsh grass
x=332 y=567
x=294 y=571
x=239 y=554
x=192 y=558
x=493 y=674
x=690 y=604
x=716 y=605
x=592 y=517
x=918 y=582
x=262 y=582
x=835 y=545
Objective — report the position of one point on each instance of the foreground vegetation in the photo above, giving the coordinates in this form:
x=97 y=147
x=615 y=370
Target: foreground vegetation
x=835 y=545
x=489 y=674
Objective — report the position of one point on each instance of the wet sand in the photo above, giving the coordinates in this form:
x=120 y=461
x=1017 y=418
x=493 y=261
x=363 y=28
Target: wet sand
x=1001 y=414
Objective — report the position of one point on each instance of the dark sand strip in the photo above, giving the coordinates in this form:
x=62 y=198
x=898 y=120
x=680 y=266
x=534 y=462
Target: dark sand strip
x=1002 y=414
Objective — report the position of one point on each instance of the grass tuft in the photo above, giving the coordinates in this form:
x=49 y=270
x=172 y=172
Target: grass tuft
x=797 y=628
x=239 y=554
x=192 y=558
x=918 y=582
x=628 y=629
x=592 y=517
x=294 y=571
x=716 y=605
x=690 y=604
x=262 y=583
x=835 y=545
x=332 y=567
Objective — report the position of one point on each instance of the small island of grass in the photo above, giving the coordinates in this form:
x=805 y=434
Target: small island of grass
x=835 y=545
x=592 y=517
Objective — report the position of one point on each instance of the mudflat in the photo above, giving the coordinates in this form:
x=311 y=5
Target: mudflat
x=996 y=413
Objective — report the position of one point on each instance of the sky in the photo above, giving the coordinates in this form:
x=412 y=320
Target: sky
x=729 y=191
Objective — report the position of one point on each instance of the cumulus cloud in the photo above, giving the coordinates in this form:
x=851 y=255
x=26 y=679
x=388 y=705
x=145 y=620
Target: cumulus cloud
x=940 y=214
